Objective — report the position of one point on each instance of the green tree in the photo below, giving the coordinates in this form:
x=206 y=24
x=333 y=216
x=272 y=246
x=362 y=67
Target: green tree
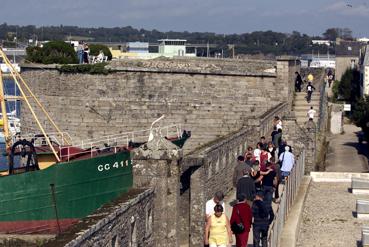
x=57 y=52
x=360 y=114
x=95 y=50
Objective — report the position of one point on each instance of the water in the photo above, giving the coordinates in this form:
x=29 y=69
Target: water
x=9 y=89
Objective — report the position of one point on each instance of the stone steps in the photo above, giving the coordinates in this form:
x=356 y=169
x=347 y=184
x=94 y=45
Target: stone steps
x=301 y=107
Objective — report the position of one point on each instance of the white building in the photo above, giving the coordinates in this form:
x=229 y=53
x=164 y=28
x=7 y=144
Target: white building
x=138 y=47
x=172 y=47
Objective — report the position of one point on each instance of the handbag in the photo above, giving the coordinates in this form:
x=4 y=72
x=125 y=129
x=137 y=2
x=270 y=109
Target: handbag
x=238 y=228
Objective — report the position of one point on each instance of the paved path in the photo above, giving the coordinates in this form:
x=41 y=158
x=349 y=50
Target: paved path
x=328 y=219
x=229 y=200
x=345 y=154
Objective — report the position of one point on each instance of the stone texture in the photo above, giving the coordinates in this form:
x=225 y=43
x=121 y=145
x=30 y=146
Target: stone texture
x=328 y=217
x=126 y=222
x=211 y=104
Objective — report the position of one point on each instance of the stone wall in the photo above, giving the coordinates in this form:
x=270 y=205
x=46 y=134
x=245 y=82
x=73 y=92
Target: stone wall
x=156 y=165
x=344 y=63
x=211 y=102
x=212 y=169
x=125 y=222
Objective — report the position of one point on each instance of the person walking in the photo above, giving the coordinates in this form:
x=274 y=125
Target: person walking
x=218 y=231
x=263 y=216
x=241 y=214
x=246 y=187
x=311 y=113
x=309 y=88
x=239 y=170
x=217 y=199
x=298 y=82
x=287 y=161
x=268 y=182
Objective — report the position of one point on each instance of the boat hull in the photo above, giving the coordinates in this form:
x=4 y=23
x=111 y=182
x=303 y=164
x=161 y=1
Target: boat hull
x=47 y=200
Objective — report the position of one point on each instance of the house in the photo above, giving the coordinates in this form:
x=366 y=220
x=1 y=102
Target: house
x=347 y=56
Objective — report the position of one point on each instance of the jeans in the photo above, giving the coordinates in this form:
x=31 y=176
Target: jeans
x=268 y=195
x=260 y=234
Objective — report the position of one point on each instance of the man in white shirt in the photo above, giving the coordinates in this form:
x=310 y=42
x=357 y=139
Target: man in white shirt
x=217 y=199
x=287 y=160
x=311 y=113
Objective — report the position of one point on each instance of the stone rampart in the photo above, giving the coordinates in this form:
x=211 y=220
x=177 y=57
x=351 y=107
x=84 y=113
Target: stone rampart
x=210 y=99
x=212 y=169
x=125 y=222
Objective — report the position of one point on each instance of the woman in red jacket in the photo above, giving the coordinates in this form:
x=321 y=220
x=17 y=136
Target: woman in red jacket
x=241 y=213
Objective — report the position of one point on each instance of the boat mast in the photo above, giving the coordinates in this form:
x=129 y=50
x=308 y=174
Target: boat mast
x=12 y=69
x=5 y=115
x=35 y=98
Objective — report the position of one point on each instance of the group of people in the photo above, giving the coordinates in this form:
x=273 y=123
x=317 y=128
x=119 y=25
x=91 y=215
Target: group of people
x=83 y=52
x=256 y=178
x=309 y=87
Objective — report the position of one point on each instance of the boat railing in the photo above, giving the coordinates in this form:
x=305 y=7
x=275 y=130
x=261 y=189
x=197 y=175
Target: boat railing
x=135 y=136
x=57 y=138
x=114 y=143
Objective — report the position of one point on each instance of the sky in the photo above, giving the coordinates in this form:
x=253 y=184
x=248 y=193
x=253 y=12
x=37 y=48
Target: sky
x=312 y=17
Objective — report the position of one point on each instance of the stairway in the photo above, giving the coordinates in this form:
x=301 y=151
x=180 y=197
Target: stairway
x=301 y=107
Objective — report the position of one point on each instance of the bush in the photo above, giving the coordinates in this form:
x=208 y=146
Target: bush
x=360 y=114
x=95 y=50
x=98 y=68
x=57 y=52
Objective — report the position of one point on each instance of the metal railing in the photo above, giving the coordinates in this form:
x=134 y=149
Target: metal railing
x=287 y=197
x=101 y=144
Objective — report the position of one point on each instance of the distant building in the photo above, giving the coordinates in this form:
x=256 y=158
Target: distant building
x=318 y=61
x=140 y=50
x=172 y=47
x=364 y=72
x=138 y=47
x=347 y=56
x=363 y=40
x=321 y=42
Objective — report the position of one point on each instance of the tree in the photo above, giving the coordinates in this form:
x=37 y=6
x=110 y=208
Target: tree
x=57 y=52
x=95 y=50
x=360 y=115
x=331 y=34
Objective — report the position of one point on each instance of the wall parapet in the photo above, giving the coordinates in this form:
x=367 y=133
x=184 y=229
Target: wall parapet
x=105 y=226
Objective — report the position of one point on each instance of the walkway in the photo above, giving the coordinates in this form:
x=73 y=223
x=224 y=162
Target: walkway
x=229 y=200
x=328 y=218
x=345 y=154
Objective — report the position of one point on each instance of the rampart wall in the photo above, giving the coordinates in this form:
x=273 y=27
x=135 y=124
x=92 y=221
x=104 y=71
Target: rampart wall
x=211 y=98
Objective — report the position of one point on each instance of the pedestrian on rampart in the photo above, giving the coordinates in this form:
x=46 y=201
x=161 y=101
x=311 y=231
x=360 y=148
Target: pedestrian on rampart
x=241 y=214
x=218 y=231
x=239 y=170
x=268 y=182
x=246 y=186
x=287 y=160
x=217 y=199
x=263 y=216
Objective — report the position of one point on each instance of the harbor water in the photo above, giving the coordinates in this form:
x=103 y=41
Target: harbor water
x=9 y=89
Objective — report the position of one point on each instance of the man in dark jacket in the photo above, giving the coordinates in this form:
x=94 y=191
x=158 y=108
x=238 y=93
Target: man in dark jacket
x=246 y=186
x=298 y=82
x=238 y=170
x=263 y=216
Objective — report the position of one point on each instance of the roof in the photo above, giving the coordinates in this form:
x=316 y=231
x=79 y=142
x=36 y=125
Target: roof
x=184 y=40
x=348 y=49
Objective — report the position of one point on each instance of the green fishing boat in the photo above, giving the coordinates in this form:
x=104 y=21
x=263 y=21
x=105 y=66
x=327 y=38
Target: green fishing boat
x=51 y=182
